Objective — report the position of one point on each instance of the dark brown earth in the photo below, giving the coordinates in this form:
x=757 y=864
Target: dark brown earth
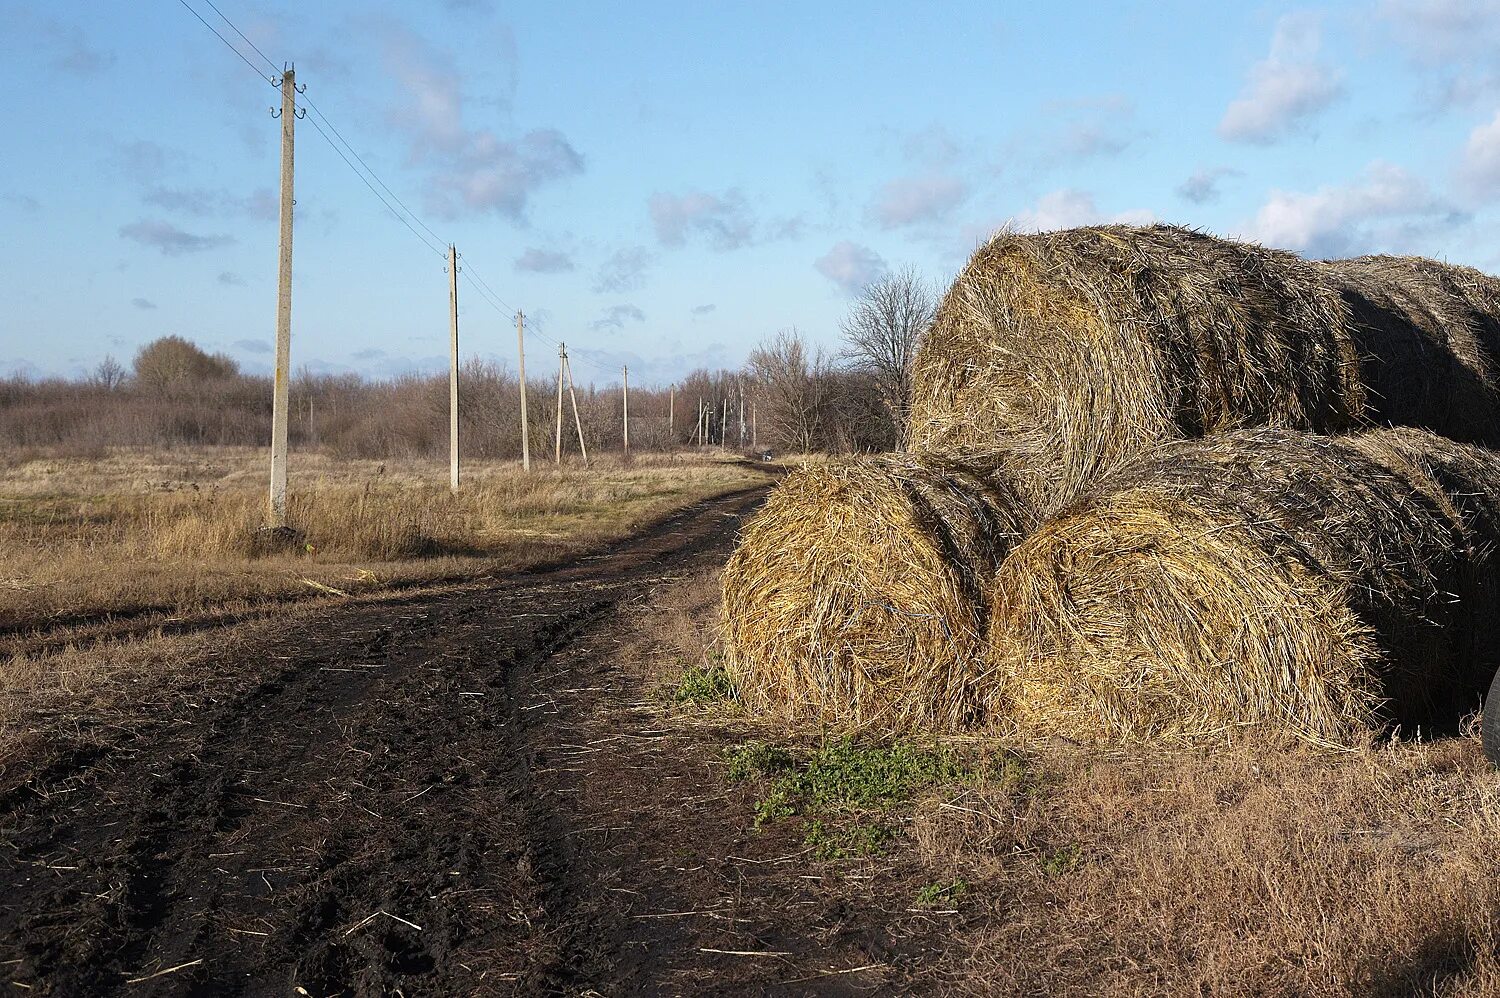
x=458 y=791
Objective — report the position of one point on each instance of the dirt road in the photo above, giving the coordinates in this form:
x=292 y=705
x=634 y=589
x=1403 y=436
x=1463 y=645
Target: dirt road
x=453 y=792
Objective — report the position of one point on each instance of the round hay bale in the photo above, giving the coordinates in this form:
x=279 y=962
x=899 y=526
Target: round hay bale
x=1081 y=348
x=1428 y=333
x=1330 y=586
x=857 y=594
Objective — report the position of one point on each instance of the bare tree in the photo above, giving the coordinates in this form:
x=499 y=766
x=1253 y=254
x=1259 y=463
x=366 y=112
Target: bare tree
x=793 y=383
x=881 y=333
x=109 y=374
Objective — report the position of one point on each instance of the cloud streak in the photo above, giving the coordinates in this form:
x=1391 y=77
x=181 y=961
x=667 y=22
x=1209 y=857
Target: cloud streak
x=170 y=240
x=1286 y=88
x=851 y=267
x=1387 y=209
x=722 y=221
x=468 y=169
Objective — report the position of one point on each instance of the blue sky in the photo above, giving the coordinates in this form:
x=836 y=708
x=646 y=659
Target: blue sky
x=666 y=185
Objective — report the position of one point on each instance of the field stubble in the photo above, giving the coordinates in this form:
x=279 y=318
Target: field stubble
x=1258 y=866
x=177 y=531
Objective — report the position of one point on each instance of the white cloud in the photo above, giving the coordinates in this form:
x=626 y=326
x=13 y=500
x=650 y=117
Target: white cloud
x=469 y=169
x=1388 y=209
x=171 y=240
x=625 y=270
x=1286 y=88
x=1067 y=208
x=914 y=200
x=851 y=266
x=616 y=316
x=1439 y=31
x=541 y=261
x=1203 y=186
x=723 y=220
x=1480 y=167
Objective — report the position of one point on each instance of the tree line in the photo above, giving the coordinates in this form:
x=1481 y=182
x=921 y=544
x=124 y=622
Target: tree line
x=794 y=397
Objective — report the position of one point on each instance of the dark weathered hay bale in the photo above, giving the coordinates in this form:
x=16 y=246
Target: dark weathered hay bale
x=857 y=594
x=1428 y=333
x=1325 y=585
x=1079 y=349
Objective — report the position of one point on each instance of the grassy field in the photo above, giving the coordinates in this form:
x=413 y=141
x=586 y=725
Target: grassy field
x=176 y=531
x=1254 y=867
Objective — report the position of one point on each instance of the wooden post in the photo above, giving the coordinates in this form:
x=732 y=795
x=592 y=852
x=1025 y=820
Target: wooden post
x=562 y=352
x=573 y=395
x=276 y=511
x=521 y=355
x=453 y=368
x=625 y=401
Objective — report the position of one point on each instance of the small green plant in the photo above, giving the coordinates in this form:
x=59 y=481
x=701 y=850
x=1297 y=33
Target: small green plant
x=843 y=776
x=703 y=684
x=754 y=759
x=847 y=841
x=940 y=893
x=1063 y=860
x=841 y=781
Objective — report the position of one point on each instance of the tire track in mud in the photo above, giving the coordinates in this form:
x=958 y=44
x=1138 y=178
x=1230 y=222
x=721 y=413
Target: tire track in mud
x=361 y=820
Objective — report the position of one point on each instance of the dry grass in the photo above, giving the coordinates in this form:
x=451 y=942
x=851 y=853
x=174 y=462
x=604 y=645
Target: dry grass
x=857 y=593
x=176 y=531
x=1327 y=586
x=1276 y=872
x=1253 y=869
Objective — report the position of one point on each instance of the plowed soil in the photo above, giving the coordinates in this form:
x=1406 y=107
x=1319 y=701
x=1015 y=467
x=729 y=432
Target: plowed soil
x=452 y=792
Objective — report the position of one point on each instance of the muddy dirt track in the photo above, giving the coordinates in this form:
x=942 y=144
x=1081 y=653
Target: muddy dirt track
x=455 y=792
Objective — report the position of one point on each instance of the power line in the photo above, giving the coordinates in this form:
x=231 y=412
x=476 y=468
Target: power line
x=405 y=216
x=332 y=127
x=229 y=45
x=242 y=35
x=399 y=217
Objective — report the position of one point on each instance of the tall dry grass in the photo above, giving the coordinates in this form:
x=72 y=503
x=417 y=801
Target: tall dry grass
x=131 y=530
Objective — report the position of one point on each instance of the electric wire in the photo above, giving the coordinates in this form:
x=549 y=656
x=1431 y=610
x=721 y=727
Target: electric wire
x=399 y=217
x=405 y=216
x=237 y=31
x=230 y=45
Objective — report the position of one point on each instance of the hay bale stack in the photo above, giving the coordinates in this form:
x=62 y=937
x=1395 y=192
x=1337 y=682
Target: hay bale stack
x=857 y=595
x=1081 y=348
x=1428 y=334
x=1329 y=586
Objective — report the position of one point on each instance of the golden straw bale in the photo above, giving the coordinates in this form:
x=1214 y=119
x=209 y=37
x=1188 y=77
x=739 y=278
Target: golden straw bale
x=1081 y=348
x=1428 y=333
x=1328 y=586
x=1078 y=350
x=857 y=593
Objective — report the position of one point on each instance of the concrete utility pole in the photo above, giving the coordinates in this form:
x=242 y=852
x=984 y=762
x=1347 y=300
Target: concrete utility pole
x=742 y=417
x=562 y=353
x=754 y=438
x=452 y=368
x=521 y=353
x=724 y=424
x=625 y=401
x=276 y=513
x=672 y=415
x=573 y=397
